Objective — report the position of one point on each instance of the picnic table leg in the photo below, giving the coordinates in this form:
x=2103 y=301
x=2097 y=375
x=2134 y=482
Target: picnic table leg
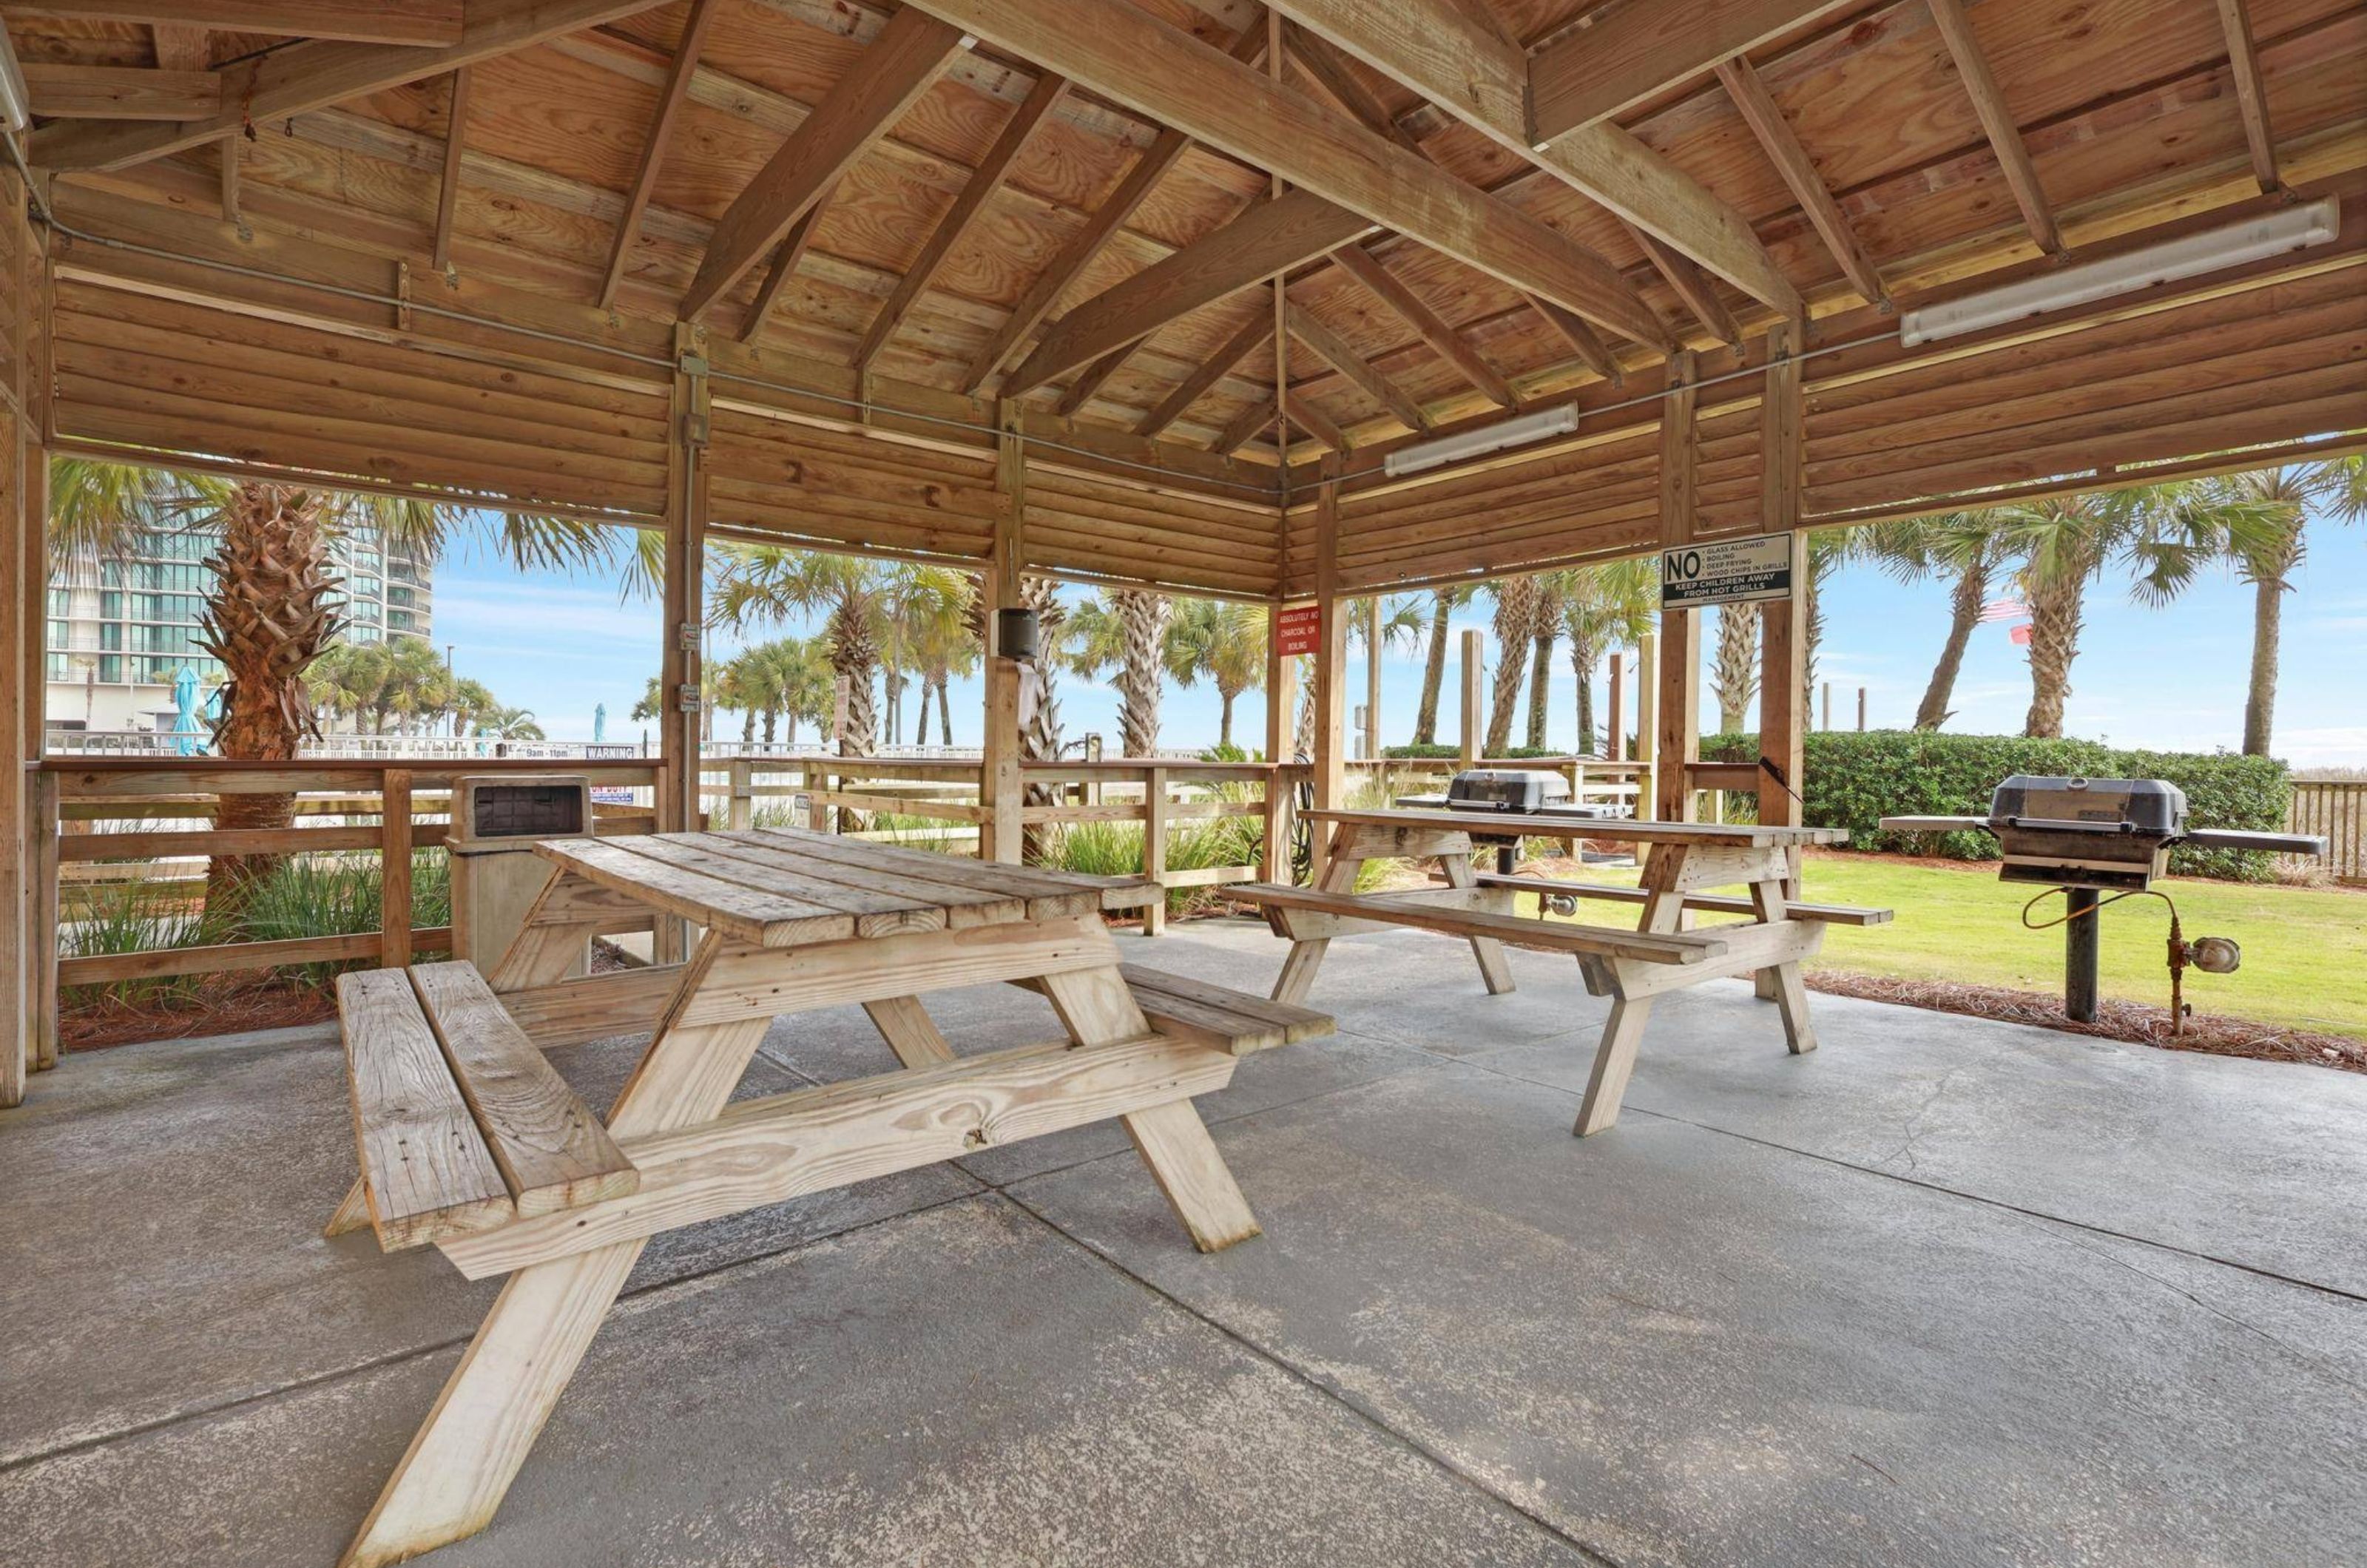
x=1615 y=1056
x=1784 y=981
x=910 y=1032
x=1299 y=967
x=1765 y=984
x=462 y=1462
x=352 y=1215
x=1097 y=1008
x=1494 y=967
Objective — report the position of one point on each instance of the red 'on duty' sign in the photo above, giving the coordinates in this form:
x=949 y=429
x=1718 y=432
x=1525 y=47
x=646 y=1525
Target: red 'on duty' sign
x=1298 y=630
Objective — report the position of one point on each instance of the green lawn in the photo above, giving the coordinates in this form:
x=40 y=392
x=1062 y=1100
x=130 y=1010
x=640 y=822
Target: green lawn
x=2304 y=951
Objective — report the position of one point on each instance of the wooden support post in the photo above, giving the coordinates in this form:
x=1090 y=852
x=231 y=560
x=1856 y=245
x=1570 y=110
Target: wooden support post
x=394 y=876
x=41 y=1033
x=23 y=1004
x=1782 y=650
x=1827 y=722
x=1648 y=719
x=1279 y=674
x=1617 y=701
x=1331 y=659
x=1860 y=710
x=1475 y=644
x=1373 y=679
x=742 y=813
x=1680 y=739
x=680 y=709
x=1154 y=848
x=999 y=777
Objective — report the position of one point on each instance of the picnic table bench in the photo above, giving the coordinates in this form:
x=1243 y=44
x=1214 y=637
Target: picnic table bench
x=470 y=1141
x=1632 y=967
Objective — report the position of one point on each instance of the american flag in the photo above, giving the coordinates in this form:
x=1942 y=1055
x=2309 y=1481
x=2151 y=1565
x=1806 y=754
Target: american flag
x=2004 y=610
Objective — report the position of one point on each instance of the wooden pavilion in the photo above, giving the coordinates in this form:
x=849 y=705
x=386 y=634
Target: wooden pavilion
x=1149 y=291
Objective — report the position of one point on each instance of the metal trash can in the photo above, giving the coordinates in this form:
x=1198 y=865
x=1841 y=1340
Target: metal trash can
x=496 y=818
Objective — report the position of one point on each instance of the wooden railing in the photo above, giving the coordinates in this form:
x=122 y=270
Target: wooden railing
x=1593 y=780
x=2336 y=808
x=98 y=827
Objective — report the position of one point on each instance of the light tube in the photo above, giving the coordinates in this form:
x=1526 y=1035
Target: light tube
x=15 y=107
x=2256 y=239
x=1478 y=443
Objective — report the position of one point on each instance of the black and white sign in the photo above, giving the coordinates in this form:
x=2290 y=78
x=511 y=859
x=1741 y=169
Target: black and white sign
x=1727 y=572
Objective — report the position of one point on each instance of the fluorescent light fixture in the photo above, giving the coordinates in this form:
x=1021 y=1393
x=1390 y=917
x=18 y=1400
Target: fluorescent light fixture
x=2257 y=239
x=1478 y=443
x=16 y=111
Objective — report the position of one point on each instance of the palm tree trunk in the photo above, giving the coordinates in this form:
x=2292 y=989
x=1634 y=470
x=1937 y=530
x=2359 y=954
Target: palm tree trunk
x=1964 y=614
x=1225 y=696
x=1735 y=676
x=1581 y=667
x=268 y=617
x=944 y=712
x=1515 y=603
x=2054 y=614
x=1540 y=679
x=2260 y=695
x=1433 y=673
x=921 y=723
x=1143 y=616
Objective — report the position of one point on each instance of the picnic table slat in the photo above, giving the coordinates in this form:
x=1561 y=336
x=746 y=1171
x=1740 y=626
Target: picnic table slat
x=766 y=919
x=1514 y=823
x=427 y=1171
x=878 y=911
x=1050 y=895
x=962 y=906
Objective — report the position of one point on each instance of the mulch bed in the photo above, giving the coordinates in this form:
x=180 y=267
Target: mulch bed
x=229 y=1005
x=2134 y=1022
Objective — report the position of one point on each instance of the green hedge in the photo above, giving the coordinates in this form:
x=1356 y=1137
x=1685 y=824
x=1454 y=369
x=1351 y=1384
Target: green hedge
x=1858 y=777
x=1442 y=752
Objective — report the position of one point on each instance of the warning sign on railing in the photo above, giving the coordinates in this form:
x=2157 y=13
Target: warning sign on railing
x=1727 y=572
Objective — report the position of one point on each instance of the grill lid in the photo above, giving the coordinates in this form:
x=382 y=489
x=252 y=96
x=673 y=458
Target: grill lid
x=2037 y=803
x=1506 y=789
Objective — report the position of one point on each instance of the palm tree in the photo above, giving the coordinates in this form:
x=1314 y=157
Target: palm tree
x=772 y=582
x=508 y=723
x=1734 y=673
x=1443 y=602
x=1963 y=548
x=419 y=688
x=1516 y=615
x=1604 y=607
x=2277 y=503
x=1544 y=630
x=1227 y=643
x=270 y=612
x=1828 y=548
x=932 y=636
x=1124 y=629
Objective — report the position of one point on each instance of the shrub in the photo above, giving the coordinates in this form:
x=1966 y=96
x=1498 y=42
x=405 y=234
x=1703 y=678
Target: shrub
x=1855 y=778
x=1440 y=751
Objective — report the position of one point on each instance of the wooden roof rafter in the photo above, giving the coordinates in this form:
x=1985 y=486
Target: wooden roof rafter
x=1252 y=336
x=784 y=267
x=1997 y=123
x=447 y=190
x=421 y=23
x=662 y=124
x=2251 y=94
x=1781 y=145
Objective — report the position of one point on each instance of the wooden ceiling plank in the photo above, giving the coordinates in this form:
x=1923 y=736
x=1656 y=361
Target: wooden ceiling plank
x=1443 y=340
x=233 y=149
x=119 y=92
x=2251 y=95
x=1213 y=369
x=1583 y=340
x=785 y=266
x=1244 y=425
x=455 y=129
x=1782 y=145
x=1336 y=352
x=1630 y=53
x=653 y=146
x=183 y=49
x=1452 y=54
x=418 y=23
x=1267 y=239
x=318 y=72
x=1997 y=122
x=1314 y=421
x=983 y=183
x=1088 y=381
x=1690 y=284
x=1128 y=55
x=885 y=81
x=1053 y=281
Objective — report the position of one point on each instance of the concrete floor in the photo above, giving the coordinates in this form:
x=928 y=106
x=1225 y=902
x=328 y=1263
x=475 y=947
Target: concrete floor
x=1945 y=1291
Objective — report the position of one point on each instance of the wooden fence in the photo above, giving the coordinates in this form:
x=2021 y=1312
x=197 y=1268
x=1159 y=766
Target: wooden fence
x=2336 y=808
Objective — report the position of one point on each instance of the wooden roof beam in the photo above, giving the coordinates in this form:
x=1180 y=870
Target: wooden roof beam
x=1443 y=340
x=653 y=146
x=318 y=72
x=1126 y=53
x=1583 y=340
x=1313 y=420
x=119 y=92
x=1782 y=145
x=1452 y=54
x=1336 y=352
x=1591 y=73
x=448 y=195
x=984 y=181
x=785 y=266
x=1088 y=381
x=420 y=23
x=1028 y=312
x=885 y=80
x=182 y=49
x=1244 y=425
x=1213 y=369
x=2251 y=95
x=1691 y=285
x=1268 y=239
x=1997 y=122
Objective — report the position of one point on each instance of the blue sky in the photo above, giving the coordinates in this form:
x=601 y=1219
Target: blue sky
x=2172 y=678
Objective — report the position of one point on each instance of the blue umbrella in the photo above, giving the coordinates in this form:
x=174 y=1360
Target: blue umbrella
x=599 y=724
x=185 y=719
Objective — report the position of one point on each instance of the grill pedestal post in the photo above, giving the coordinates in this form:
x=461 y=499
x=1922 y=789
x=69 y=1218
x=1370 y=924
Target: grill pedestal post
x=2079 y=955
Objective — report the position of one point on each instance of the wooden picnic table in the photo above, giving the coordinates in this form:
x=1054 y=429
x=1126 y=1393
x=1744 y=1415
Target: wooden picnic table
x=1682 y=861
x=789 y=921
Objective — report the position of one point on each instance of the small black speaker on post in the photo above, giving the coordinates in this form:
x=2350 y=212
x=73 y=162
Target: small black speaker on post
x=1017 y=633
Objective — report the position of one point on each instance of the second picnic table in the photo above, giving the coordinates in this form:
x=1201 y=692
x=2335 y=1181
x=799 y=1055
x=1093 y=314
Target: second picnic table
x=1682 y=862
